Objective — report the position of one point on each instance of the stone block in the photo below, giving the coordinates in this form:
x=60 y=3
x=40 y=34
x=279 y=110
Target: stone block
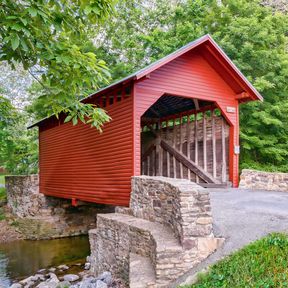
x=208 y=245
x=259 y=180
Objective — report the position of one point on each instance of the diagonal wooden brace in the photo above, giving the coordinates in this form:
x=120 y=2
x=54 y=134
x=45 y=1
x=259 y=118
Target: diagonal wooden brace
x=207 y=177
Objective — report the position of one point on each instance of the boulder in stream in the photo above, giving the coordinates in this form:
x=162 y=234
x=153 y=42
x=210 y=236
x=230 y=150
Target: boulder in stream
x=71 y=277
x=16 y=285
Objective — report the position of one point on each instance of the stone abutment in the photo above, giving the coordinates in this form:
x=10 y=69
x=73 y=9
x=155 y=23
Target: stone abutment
x=41 y=217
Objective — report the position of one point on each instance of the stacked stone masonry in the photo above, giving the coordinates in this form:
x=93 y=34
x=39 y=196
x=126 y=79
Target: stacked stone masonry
x=258 y=180
x=168 y=222
x=42 y=217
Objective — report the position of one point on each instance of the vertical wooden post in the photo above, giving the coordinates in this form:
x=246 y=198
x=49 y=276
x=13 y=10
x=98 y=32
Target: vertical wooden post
x=160 y=155
x=154 y=163
x=196 y=143
x=168 y=155
x=174 y=145
x=188 y=143
x=233 y=121
x=234 y=158
x=148 y=165
x=181 y=146
x=214 y=144
x=204 y=141
x=223 y=150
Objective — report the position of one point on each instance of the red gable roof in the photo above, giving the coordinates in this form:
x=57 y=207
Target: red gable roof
x=214 y=50
x=216 y=58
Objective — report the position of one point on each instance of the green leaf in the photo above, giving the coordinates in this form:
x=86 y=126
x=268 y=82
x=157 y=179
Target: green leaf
x=16 y=27
x=32 y=11
x=24 y=45
x=15 y=41
x=68 y=118
x=24 y=21
x=75 y=120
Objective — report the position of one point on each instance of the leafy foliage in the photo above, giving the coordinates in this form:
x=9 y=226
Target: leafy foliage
x=260 y=264
x=18 y=147
x=252 y=35
x=51 y=38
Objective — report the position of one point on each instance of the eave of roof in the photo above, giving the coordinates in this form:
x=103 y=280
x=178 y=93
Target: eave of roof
x=159 y=63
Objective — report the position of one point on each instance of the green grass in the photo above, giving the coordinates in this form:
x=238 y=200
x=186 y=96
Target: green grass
x=263 y=263
x=2 y=179
x=2 y=194
x=2 y=189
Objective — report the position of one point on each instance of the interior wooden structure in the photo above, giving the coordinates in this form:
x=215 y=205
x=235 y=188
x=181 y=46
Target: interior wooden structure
x=185 y=138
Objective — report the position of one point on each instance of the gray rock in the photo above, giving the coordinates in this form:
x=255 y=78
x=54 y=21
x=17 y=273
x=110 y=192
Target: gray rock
x=100 y=284
x=47 y=285
x=52 y=278
x=71 y=277
x=63 y=267
x=82 y=274
x=88 y=259
x=74 y=286
x=52 y=269
x=63 y=284
x=26 y=280
x=106 y=277
x=87 y=266
x=41 y=271
x=29 y=284
x=90 y=278
x=38 y=277
x=88 y=283
x=16 y=285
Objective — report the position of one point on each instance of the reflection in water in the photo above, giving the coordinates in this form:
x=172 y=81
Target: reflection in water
x=4 y=279
x=24 y=258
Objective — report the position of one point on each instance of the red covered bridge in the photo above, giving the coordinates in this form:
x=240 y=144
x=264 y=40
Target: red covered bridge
x=177 y=118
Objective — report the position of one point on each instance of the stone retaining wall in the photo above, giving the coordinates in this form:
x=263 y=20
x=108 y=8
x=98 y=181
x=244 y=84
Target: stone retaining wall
x=112 y=244
x=260 y=180
x=40 y=217
x=169 y=222
x=178 y=203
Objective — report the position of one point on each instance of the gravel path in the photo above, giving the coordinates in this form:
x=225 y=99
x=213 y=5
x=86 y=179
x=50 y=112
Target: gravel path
x=242 y=216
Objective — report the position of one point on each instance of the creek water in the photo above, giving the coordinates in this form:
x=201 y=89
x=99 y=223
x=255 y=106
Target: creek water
x=24 y=258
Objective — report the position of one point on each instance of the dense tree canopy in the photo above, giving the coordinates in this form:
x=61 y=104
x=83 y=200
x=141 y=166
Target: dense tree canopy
x=52 y=40
x=18 y=147
x=253 y=36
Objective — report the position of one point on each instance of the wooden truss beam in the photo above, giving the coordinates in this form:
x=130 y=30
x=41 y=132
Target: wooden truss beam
x=188 y=163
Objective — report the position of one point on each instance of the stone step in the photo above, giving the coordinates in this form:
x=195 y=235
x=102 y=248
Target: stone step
x=145 y=246
x=163 y=235
x=141 y=272
x=150 y=240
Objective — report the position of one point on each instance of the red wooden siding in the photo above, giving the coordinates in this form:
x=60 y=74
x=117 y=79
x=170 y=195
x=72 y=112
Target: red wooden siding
x=79 y=162
x=189 y=75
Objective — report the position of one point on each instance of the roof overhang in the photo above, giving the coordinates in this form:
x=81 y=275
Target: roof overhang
x=244 y=89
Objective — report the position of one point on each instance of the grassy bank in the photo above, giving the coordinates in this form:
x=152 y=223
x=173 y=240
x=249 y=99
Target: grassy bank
x=2 y=197
x=263 y=263
x=2 y=193
x=2 y=179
